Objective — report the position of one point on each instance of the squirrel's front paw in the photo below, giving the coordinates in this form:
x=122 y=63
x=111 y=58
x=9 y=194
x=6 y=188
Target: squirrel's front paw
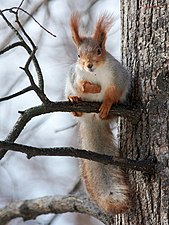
x=87 y=87
x=74 y=98
x=104 y=110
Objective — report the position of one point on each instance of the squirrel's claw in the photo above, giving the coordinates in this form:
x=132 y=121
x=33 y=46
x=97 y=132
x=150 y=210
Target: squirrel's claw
x=74 y=99
x=104 y=110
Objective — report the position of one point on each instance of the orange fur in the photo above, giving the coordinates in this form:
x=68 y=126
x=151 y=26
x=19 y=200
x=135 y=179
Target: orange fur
x=77 y=114
x=103 y=25
x=96 y=42
x=114 y=207
x=91 y=57
x=86 y=177
x=98 y=76
x=112 y=96
x=87 y=87
x=74 y=25
x=105 y=200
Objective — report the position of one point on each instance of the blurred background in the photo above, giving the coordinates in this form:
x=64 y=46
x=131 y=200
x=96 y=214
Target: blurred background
x=21 y=178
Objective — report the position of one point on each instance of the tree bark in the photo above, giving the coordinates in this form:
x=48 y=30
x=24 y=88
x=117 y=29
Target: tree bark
x=144 y=52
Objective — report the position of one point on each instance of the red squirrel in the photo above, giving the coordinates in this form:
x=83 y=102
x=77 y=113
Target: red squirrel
x=98 y=76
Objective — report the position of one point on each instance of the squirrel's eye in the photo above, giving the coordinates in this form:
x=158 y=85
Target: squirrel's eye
x=78 y=56
x=99 y=51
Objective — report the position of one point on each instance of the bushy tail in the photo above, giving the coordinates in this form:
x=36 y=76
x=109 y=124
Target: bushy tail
x=106 y=184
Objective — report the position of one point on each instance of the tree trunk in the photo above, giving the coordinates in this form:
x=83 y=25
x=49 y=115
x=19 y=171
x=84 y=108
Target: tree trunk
x=144 y=52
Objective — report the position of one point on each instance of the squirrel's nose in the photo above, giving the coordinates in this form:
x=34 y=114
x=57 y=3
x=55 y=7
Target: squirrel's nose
x=90 y=65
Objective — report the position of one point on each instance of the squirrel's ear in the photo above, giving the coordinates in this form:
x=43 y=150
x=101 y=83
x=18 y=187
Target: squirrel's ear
x=103 y=25
x=74 y=26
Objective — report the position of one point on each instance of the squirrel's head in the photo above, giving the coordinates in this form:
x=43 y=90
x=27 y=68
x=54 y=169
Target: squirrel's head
x=91 y=50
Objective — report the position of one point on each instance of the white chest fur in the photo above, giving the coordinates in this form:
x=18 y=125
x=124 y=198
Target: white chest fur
x=102 y=76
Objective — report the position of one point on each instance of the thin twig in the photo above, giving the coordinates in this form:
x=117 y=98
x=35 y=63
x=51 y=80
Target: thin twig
x=11 y=26
x=20 y=4
x=19 y=8
x=33 y=46
x=22 y=29
x=38 y=91
x=34 y=10
x=28 y=49
x=23 y=91
x=27 y=13
x=9 y=47
x=26 y=69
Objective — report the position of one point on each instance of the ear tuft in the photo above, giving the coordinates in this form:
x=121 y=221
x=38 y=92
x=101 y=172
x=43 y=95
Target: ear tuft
x=74 y=26
x=103 y=25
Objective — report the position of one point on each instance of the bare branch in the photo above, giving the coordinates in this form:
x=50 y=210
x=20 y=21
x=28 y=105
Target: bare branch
x=9 y=47
x=32 y=57
x=28 y=49
x=74 y=190
x=38 y=91
x=27 y=13
x=29 y=209
x=19 y=8
x=22 y=29
x=23 y=91
x=20 y=4
x=126 y=111
x=34 y=10
x=147 y=166
x=34 y=87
